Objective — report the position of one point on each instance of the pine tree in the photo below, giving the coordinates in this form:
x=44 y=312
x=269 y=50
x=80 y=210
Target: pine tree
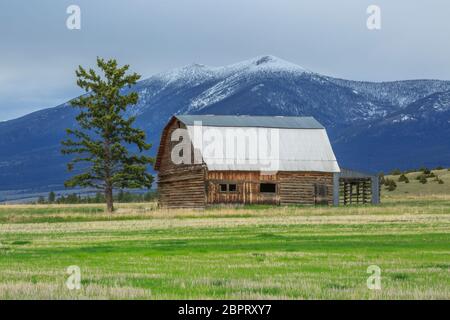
x=51 y=197
x=105 y=134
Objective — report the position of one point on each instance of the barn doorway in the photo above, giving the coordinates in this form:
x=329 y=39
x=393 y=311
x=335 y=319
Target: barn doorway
x=320 y=194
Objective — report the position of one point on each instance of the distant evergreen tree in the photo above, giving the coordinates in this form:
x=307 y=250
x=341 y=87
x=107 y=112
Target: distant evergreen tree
x=105 y=133
x=51 y=197
x=149 y=196
x=121 y=196
x=99 y=198
x=403 y=178
x=425 y=170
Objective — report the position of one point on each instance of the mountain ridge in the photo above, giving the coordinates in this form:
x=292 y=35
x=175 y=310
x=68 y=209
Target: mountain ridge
x=264 y=85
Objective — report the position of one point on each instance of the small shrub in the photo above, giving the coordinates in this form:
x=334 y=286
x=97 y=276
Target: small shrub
x=426 y=175
x=396 y=172
x=41 y=200
x=425 y=170
x=403 y=178
x=423 y=179
x=438 y=180
x=390 y=184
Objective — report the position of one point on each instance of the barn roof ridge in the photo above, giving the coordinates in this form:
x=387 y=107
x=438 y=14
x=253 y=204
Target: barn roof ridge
x=282 y=122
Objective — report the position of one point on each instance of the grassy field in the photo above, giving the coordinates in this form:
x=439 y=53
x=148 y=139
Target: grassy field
x=415 y=188
x=258 y=252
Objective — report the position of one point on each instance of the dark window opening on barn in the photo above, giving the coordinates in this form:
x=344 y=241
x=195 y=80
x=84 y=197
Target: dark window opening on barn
x=232 y=187
x=320 y=190
x=268 y=187
x=320 y=193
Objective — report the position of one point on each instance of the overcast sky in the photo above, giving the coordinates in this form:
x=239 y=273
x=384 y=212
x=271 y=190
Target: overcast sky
x=38 y=54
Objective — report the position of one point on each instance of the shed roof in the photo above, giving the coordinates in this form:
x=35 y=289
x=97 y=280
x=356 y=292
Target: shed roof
x=283 y=122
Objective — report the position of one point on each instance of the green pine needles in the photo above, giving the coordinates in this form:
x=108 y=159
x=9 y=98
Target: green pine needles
x=105 y=135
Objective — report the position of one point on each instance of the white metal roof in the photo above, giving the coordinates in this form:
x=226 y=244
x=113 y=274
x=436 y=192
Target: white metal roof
x=286 y=122
x=263 y=149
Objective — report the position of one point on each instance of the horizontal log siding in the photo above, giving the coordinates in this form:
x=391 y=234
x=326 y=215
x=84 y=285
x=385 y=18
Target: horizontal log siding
x=183 y=188
x=193 y=186
x=298 y=187
x=179 y=185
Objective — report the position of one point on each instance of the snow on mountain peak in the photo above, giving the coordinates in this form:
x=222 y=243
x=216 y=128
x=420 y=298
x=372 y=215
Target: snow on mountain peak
x=276 y=63
x=191 y=73
x=196 y=72
x=233 y=75
x=265 y=63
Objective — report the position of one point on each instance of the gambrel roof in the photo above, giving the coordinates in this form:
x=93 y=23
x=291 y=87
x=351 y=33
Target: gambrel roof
x=288 y=143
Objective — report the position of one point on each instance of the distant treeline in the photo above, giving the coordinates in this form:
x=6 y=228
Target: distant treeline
x=425 y=174
x=74 y=198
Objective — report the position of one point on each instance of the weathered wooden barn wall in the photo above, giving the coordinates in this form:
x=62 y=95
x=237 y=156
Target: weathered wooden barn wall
x=299 y=187
x=247 y=183
x=291 y=187
x=195 y=186
x=182 y=185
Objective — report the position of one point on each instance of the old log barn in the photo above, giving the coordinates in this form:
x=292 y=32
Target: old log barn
x=209 y=159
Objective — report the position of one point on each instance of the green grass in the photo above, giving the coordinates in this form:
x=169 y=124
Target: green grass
x=228 y=253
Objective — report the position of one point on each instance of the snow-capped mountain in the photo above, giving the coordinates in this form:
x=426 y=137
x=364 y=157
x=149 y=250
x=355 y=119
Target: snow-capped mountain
x=399 y=93
x=353 y=112
x=417 y=135
x=264 y=85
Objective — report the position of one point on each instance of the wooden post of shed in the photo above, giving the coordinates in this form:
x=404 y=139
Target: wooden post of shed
x=336 y=186
x=375 y=189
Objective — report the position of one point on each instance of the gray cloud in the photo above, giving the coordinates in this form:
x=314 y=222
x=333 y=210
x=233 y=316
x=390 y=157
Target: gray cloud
x=38 y=54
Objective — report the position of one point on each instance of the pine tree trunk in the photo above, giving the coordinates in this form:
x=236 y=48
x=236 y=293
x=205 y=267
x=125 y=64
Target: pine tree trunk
x=108 y=185
x=109 y=199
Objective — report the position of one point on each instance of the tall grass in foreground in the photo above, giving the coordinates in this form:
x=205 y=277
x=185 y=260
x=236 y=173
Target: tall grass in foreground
x=257 y=252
